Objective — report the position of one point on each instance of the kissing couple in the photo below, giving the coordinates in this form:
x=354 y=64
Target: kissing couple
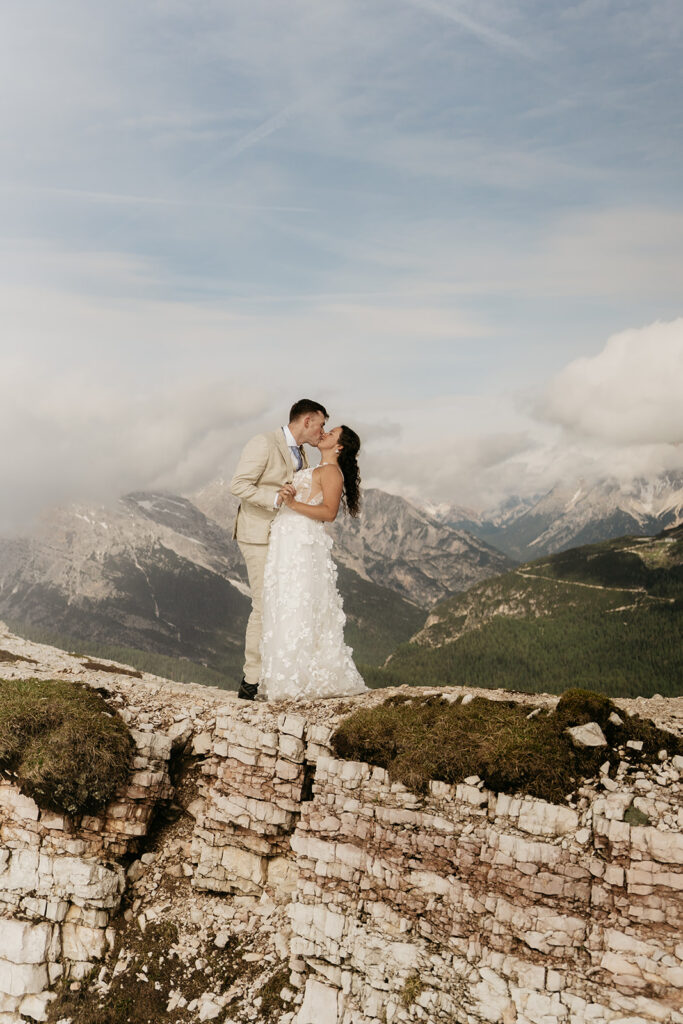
x=294 y=646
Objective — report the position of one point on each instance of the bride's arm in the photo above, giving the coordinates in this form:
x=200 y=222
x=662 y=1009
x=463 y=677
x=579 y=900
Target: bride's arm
x=332 y=484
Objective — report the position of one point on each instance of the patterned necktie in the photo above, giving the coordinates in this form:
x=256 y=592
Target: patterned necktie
x=298 y=458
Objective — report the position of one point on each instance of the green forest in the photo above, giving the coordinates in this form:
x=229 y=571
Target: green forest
x=606 y=617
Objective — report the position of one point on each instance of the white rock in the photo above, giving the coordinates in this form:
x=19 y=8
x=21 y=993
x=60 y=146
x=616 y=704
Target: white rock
x=18 y=805
x=22 y=979
x=282 y=877
x=22 y=942
x=242 y=864
x=9 y=1005
x=665 y=847
x=615 y=719
x=320 y=1005
x=588 y=735
x=292 y=725
x=36 y=1006
x=543 y=819
x=291 y=747
x=195 y=807
x=135 y=871
x=404 y=954
x=492 y=1005
x=209 y=1010
x=202 y=743
x=22 y=871
x=82 y=943
x=89 y=880
x=180 y=732
x=51 y=820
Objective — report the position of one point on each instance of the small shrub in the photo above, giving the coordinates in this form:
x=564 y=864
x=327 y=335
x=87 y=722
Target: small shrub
x=411 y=990
x=61 y=744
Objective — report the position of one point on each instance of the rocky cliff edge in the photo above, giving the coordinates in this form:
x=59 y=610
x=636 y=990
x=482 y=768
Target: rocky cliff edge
x=246 y=874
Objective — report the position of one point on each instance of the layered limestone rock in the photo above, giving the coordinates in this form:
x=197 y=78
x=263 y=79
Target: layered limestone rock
x=379 y=905
x=61 y=880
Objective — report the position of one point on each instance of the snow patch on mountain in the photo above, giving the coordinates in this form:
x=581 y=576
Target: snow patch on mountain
x=573 y=513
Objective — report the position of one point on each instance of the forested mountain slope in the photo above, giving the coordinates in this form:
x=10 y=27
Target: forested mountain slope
x=606 y=616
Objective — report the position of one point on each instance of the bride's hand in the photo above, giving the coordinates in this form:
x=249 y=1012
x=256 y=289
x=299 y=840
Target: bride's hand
x=287 y=494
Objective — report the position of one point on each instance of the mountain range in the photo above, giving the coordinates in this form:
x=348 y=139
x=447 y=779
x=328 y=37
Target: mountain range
x=156 y=579
x=158 y=576
x=572 y=514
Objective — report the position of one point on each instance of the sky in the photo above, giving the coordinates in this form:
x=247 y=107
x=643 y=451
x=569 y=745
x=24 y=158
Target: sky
x=458 y=225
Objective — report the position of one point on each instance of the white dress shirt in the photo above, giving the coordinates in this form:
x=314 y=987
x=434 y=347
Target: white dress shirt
x=291 y=443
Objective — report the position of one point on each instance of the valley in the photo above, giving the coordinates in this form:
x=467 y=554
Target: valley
x=607 y=617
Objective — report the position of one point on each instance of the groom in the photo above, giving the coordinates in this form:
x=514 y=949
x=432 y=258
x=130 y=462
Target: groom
x=262 y=478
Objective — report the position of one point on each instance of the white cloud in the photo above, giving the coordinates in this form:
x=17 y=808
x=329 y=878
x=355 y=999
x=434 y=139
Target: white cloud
x=630 y=394
x=93 y=431
x=616 y=414
x=80 y=436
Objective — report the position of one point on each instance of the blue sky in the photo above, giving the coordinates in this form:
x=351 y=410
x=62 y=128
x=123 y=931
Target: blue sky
x=422 y=212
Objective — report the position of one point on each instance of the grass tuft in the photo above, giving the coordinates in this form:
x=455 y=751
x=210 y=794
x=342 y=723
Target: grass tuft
x=61 y=744
x=411 y=990
x=420 y=739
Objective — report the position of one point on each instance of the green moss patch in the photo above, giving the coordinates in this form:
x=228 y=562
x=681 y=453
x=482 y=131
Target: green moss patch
x=420 y=739
x=61 y=744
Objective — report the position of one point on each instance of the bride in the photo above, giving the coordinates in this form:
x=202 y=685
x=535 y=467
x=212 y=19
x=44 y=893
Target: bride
x=303 y=651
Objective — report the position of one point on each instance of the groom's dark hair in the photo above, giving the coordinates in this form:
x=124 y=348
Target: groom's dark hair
x=306 y=406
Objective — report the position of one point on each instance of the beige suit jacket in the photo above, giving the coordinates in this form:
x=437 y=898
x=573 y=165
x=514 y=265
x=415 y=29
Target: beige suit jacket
x=265 y=465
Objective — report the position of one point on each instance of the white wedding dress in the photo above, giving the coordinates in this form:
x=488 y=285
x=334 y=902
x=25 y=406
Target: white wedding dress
x=303 y=653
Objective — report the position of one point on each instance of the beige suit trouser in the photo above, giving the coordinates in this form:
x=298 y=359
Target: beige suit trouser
x=255 y=558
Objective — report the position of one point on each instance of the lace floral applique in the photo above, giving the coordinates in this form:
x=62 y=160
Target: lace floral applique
x=303 y=652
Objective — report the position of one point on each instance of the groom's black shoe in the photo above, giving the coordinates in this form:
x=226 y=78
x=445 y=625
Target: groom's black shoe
x=247 y=691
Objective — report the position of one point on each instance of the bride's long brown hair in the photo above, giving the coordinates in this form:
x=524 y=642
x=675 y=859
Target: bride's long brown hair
x=348 y=463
